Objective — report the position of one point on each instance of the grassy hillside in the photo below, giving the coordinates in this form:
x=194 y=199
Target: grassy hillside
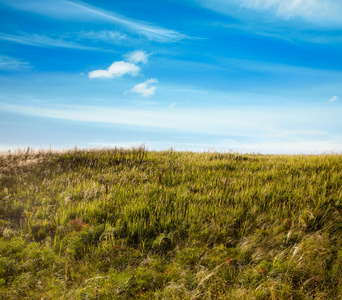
x=133 y=224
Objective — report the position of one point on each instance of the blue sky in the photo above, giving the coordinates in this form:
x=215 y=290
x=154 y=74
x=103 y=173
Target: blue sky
x=245 y=75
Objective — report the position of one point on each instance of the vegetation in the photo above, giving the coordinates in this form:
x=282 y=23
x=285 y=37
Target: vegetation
x=137 y=224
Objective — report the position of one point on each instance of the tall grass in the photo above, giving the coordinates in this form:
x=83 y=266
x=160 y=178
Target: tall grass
x=138 y=224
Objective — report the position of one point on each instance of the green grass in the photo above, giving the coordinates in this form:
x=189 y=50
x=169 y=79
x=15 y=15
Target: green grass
x=137 y=224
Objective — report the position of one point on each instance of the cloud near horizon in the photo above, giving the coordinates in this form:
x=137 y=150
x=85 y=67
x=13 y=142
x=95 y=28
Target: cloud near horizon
x=254 y=125
x=333 y=99
x=145 y=89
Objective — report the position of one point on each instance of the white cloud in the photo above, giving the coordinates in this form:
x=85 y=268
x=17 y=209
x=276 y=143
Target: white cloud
x=172 y=105
x=137 y=57
x=117 y=69
x=333 y=99
x=145 y=89
x=12 y=64
x=120 y=68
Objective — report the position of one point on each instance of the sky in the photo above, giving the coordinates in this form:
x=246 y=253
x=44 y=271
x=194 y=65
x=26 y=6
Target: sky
x=256 y=76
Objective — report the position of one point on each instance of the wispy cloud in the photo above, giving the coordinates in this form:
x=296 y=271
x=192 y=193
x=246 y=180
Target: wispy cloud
x=333 y=99
x=11 y=64
x=309 y=10
x=117 y=69
x=316 y=12
x=107 y=36
x=150 y=31
x=44 y=41
x=80 y=11
x=137 y=57
x=145 y=89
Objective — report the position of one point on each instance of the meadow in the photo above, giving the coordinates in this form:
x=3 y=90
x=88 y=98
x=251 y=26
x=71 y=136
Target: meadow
x=138 y=224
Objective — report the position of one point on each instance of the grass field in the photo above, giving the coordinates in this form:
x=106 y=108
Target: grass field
x=137 y=224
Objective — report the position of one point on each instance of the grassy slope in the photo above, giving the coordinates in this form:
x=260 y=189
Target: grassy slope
x=131 y=224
